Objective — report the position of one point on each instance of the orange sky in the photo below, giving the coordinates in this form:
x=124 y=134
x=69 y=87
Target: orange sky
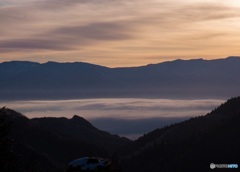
x=118 y=32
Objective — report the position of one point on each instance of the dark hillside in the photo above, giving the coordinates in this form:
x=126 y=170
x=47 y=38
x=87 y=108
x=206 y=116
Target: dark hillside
x=48 y=144
x=191 y=145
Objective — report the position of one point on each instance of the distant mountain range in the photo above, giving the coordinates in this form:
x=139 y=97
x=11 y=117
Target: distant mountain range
x=195 y=78
x=48 y=144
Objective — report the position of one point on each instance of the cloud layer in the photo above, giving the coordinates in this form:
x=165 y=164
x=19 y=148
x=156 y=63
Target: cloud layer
x=136 y=115
x=118 y=31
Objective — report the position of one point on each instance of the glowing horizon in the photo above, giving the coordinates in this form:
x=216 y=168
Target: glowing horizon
x=118 y=33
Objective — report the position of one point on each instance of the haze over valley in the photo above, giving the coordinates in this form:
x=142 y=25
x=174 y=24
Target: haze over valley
x=137 y=115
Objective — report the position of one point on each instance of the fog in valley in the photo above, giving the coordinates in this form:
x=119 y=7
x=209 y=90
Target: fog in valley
x=130 y=117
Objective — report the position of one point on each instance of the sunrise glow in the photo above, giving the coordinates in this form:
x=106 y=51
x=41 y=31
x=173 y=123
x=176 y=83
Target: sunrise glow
x=118 y=32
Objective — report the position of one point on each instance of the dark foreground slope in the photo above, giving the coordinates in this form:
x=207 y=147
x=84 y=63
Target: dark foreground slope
x=48 y=144
x=189 y=146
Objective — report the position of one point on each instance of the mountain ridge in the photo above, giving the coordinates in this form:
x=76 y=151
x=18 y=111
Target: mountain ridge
x=173 y=79
x=87 y=63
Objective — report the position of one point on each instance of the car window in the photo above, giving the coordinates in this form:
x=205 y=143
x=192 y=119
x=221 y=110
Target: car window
x=92 y=161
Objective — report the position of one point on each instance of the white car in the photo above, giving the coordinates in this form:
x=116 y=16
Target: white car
x=88 y=164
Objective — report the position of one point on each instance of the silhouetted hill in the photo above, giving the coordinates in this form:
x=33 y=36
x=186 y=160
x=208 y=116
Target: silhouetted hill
x=191 y=145
x=48 y=144
x=179 y=78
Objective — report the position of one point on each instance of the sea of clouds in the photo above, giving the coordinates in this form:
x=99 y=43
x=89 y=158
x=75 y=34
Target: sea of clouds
x=130 y=117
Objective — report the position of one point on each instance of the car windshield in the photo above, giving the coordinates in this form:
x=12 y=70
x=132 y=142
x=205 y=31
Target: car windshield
x=92 y=161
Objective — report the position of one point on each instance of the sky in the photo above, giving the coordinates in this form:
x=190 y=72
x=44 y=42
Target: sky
x=118 y=32
x=138 y=116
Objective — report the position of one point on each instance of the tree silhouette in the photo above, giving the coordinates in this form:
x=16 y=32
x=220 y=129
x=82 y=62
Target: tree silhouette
x=8 y=160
